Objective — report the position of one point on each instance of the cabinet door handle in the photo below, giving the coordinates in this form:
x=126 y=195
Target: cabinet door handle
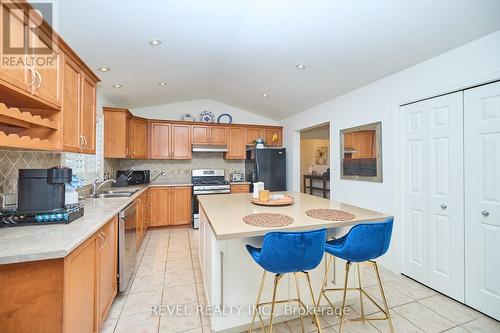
x=33 y=76
x=126 y=151
x=485 y=213
x=102 y=241
x=81 y=142
x=443 y=206
x=39 y=80
x=84 y=142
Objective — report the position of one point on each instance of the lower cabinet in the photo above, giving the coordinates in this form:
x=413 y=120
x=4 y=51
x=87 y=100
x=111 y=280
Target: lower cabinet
x=170 y=205
x=90 y=283
x=240 y=188
x=143 y=215
x=66 y=295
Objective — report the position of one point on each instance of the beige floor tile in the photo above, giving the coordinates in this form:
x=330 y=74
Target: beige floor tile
x=117 y=306
x=160 y=258
x=453 y=311
x=458 y=329
x=369 y=277
x=368 y=306
x=180 y=295
x=173 y=323
x=147 y=283
x=410 y=288
x=400 y=324
x=483 y=325
x=207 y=329
x=150 y=269
x=393 y=295
x=176 y=280
x=333 y=319
x=194 y=330
x=424 y=318
x=309 y=326
x=109 y=325
x=278 y=328
x=141 y=302
x=356 y=328
x=137 y=323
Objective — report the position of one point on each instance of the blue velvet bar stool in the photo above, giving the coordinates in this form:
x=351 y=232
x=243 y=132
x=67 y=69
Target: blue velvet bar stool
x=283 y=253
x=363 y=243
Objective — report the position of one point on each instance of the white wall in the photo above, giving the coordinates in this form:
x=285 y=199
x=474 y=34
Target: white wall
x=174 y=111
x=470 y=64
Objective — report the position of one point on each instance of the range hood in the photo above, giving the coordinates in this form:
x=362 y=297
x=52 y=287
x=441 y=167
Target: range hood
x=349 y=149
x=209 y=148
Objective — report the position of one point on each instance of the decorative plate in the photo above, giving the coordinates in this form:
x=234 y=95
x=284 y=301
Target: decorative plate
x=207 y=117
x=188 y=117
x=225 y=118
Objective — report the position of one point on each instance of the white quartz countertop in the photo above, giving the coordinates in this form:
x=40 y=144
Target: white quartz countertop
x=227 y=222
x=29 y=243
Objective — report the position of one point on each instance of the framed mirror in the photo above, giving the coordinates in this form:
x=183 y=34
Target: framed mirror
x=361 y=153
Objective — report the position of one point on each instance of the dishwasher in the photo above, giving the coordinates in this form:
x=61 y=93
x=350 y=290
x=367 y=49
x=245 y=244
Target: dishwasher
x=127 y=246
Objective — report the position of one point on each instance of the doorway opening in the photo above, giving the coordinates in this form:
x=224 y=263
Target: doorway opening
x=315 y=160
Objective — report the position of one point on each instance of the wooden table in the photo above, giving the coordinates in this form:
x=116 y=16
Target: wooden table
x=324 y=179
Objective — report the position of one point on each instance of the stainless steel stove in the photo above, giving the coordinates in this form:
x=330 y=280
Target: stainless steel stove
x=207 y=181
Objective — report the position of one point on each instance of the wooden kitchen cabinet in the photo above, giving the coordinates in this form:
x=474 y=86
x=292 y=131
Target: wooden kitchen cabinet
x=254 y=133
x=273 y=137
x=363 y=142
x=138 y=138
x=108 y=267
x=170 y=205
x=170 y=141
x=116 y=133
x=208 y=135
x=80 y=288
x=236 y=143
x=240 y=188
x=79 y=108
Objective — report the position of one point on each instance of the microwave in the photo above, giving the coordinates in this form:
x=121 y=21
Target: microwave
x=135 y=176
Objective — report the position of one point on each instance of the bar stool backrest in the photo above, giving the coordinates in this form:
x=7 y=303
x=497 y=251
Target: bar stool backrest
x=286 y=252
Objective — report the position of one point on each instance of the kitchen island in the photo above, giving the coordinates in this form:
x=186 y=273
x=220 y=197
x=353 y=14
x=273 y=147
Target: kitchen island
x=231 y=277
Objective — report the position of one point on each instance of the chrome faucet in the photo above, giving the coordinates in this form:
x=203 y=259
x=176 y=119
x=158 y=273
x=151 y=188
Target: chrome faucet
x=96 y=188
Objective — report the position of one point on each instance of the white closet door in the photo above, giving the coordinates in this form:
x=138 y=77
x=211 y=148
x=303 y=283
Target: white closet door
x=445 y=189
x=482 y=198
x=415 y=227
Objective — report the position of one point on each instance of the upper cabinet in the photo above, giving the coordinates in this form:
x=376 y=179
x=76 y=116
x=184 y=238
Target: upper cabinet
x=236 y=143
x=273 y=137
x=47 y=92
x=78 y=107
x=138 y=138
x=170 y=141
x=254 y=133
x=208 y=135
x=116 y=133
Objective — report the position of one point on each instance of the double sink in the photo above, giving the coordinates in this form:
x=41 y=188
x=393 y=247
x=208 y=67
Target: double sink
x=116 y=194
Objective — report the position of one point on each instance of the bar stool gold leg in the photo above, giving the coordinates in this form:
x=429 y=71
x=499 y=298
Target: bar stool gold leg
x=386 y=306
x=276 y=280
x=315 y=315
x=323 y=285
x=297 y=288
x=360 y=293
x=346 y=280
x=257 y=303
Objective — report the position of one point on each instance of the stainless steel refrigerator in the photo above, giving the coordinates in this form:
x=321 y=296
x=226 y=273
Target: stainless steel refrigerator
x=267 y=165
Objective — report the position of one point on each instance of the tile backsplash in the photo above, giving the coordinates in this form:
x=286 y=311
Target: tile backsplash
x=178 y=169
x=11 y=161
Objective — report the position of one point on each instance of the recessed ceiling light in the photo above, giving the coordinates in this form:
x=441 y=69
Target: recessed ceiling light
x=163 y=84
x=104 y=69
x=265 y=95
x=117 y=86
x=300 y=66
x=155 y=42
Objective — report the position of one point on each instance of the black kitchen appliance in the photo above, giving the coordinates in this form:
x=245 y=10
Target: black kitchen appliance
x=135 y=177
x=42 y=189
x=266 y=165
x=57 y=216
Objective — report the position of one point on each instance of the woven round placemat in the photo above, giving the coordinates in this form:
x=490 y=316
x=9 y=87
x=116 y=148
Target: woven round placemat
x=330 y=214
x=272 y=220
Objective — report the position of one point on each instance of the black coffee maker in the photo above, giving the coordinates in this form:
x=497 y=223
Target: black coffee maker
x=42 y=189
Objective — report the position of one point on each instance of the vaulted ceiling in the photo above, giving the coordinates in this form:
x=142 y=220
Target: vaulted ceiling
x=234 y=51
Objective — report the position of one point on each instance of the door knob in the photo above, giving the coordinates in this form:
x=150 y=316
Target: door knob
x=443 y=206
x=485 y=213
